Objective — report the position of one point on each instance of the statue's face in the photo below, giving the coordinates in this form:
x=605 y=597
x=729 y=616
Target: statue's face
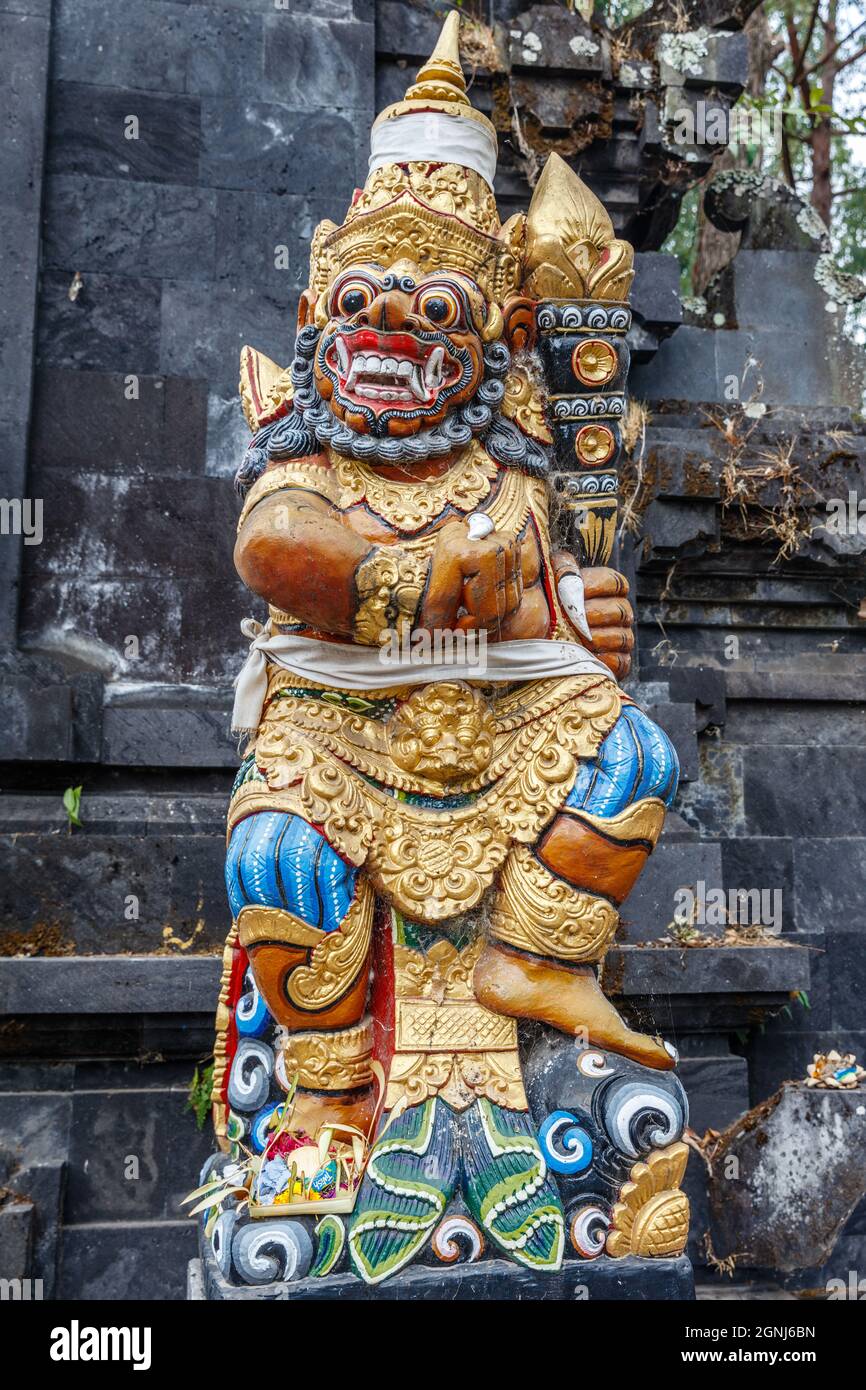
x=400 y=349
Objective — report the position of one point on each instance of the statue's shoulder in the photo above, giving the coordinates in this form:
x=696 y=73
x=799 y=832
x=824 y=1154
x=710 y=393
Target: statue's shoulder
x=312 y=473
x=265 y=388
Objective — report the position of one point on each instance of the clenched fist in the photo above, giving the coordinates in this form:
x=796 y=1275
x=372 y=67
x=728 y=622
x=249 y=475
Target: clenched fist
x=480 y=580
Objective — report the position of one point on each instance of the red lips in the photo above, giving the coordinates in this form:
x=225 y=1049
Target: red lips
x=388 y=344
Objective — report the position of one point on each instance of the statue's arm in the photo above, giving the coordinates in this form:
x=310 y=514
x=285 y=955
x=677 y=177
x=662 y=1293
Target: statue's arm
x=294 y=551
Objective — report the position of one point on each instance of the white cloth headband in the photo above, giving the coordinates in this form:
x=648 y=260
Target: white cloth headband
x=431 y=135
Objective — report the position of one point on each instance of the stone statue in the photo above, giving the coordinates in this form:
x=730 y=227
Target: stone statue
x=446 y=796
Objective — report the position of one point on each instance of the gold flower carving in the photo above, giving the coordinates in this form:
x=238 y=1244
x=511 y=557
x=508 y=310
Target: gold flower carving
x=651 y=1216
x=594 y=362
x=594 y=444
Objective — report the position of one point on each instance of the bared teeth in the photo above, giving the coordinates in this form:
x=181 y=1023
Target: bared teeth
x=433 y=368
x=391 y=378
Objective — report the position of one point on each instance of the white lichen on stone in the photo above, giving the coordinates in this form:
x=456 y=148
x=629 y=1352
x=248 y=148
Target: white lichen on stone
x=582 y=47
x=809 y=222
x=719 y=320
x=694 y=304
x=531 y=47
x=840 y=287
x=754 y=410
x=742 y=181
x=683 y=52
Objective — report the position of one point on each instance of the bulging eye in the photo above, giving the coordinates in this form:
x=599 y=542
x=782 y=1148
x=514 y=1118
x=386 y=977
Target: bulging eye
x=352 y=297
x=440 y=305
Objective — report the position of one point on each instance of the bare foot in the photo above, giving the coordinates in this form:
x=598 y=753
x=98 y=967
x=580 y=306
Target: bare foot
x=567 y=999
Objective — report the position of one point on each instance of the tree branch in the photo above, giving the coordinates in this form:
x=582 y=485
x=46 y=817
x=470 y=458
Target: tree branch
x=808 y=39
x=846 y=62
x=798 y=57
x=831 y=53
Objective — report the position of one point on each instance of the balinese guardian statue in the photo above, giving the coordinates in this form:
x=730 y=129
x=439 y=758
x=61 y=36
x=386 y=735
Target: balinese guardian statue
x=445 y=796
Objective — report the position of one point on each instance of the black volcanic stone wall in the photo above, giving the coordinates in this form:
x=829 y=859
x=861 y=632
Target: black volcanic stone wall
x=24 y=36
x=175 y=236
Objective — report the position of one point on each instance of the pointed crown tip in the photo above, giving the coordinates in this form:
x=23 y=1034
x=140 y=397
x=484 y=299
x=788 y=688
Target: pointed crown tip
x=441 y=77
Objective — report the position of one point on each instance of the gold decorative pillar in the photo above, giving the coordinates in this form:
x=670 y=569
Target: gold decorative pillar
x=581 y=274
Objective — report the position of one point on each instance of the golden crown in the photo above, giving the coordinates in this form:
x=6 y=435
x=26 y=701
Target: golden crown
x=428 y=199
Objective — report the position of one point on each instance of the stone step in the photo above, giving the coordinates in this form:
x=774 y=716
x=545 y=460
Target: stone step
x=603 y=1278
x=119 y=883
x=109 y=985
x=697 y=970
x=107 y=813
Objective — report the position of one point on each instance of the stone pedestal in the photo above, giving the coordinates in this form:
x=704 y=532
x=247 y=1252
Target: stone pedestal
x=786 y=1176
x=577 y=1281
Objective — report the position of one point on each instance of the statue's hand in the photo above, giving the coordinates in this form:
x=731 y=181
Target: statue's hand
x=608 y=612
x=483 y=577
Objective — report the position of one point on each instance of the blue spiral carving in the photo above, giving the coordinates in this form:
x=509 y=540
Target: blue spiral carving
x=251 y=1015
x=566 y=1147
x=644 y=1114
x=259 y=1129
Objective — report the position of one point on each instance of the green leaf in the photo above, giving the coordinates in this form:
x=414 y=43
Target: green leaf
x=72 y=805
x=199 y=1098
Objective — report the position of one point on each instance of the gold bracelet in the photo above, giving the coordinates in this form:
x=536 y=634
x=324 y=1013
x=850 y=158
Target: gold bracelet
x=332 y=1061
x=390 y=583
